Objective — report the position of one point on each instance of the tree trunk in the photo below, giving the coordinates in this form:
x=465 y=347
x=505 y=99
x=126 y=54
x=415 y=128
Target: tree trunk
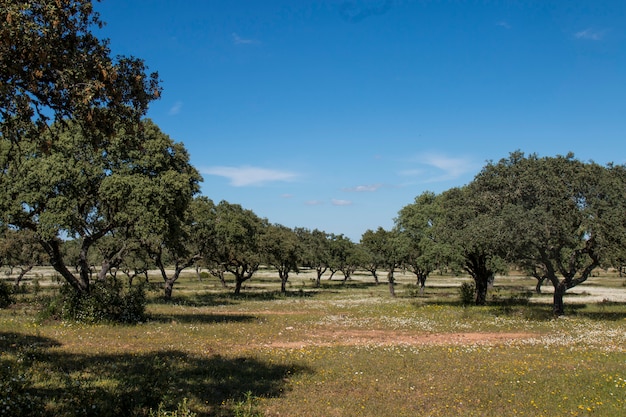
x=421 y=281
x=20 y=276
x=53 y=249
x=284 y=276
x=238 y=282
x=476 y=266
x=558 y=308
x=391 y=280
x=220 y=276
x=539 y=284
x=320 y=271
x=481 y=291
x=169 y=286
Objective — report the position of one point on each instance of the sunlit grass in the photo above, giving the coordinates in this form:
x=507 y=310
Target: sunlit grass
x=345 y=349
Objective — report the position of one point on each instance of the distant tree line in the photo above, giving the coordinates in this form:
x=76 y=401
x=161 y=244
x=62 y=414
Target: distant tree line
x=93 y=188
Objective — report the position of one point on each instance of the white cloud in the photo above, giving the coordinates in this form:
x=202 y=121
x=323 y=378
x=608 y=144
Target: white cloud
x=446 y=168
x=452 y=167
x=363 y=188
x=503 y=24
x=176 y=108
x=247 y=175
x=313 y=203
x=590 y=34
x=411 y=172
x=238 y=40
x=337 y=202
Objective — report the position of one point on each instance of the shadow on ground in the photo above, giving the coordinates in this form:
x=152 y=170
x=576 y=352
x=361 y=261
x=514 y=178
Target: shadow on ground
x=39 y=381
x=201 y=318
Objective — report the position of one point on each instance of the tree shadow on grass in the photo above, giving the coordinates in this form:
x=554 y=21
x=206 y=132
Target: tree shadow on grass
x=229 y=298
x=603 y=310
x=341 y=285
x=503 y=307
x=268 y=295
x=128 y=384
x=198 y=299
x=14 y=342
x=202 y=318
x=604 y=315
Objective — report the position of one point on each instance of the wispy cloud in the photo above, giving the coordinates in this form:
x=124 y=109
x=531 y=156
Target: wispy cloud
x=247 y=175
x=504 y=24
x=355 y=12
x=411 y=172
x=314 y=203
x=451 y=167
x=337 y=202
x=363 y=188
x=438 y=167
x=590 y=34
x=176 y=108
x=238 y=40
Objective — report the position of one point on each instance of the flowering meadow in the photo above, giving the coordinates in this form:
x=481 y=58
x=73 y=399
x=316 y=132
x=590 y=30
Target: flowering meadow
x=345 y=349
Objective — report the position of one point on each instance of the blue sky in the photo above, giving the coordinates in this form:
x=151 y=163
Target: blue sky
x=335 y=114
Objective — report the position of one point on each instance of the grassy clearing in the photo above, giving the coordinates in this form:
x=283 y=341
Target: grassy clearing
x=341 y=350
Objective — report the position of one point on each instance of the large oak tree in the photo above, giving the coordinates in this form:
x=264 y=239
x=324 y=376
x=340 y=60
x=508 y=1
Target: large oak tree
x=237 y=241
x=76 y=189
x=53 y=68
x=559 y=217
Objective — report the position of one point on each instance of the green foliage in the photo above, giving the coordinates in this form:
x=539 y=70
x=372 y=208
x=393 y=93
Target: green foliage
x=60 y=70
x=236 y=241
x=181 y=411
x=108 y=301
x=247 y=407
x=102 y=197
x=15 y=399
x=467 y=290
x=557 y=217
x=6 y=295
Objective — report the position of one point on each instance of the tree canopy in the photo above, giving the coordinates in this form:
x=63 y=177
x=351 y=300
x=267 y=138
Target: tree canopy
x=559 y=218
x=76 y=189
x=53 y=68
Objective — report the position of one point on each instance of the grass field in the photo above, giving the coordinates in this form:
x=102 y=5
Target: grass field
x=340 y=350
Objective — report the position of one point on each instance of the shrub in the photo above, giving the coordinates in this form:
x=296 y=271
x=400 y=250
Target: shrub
x=6 y=296
x=181 y=411
x=108 y=301
x=468 y=293
x=247 y=407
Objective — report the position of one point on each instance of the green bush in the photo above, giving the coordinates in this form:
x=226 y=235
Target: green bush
x=247 y=407
x=468 y=293
x=108 y=301
x=182 y=411
x=6 y=295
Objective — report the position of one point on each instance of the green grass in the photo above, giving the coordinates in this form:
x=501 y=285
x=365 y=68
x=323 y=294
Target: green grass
x=345 y=349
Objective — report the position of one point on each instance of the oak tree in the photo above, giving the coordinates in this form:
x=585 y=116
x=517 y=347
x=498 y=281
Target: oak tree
x=560 y=218
x=281 y=249
x=53 y=68
x=79 y=190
